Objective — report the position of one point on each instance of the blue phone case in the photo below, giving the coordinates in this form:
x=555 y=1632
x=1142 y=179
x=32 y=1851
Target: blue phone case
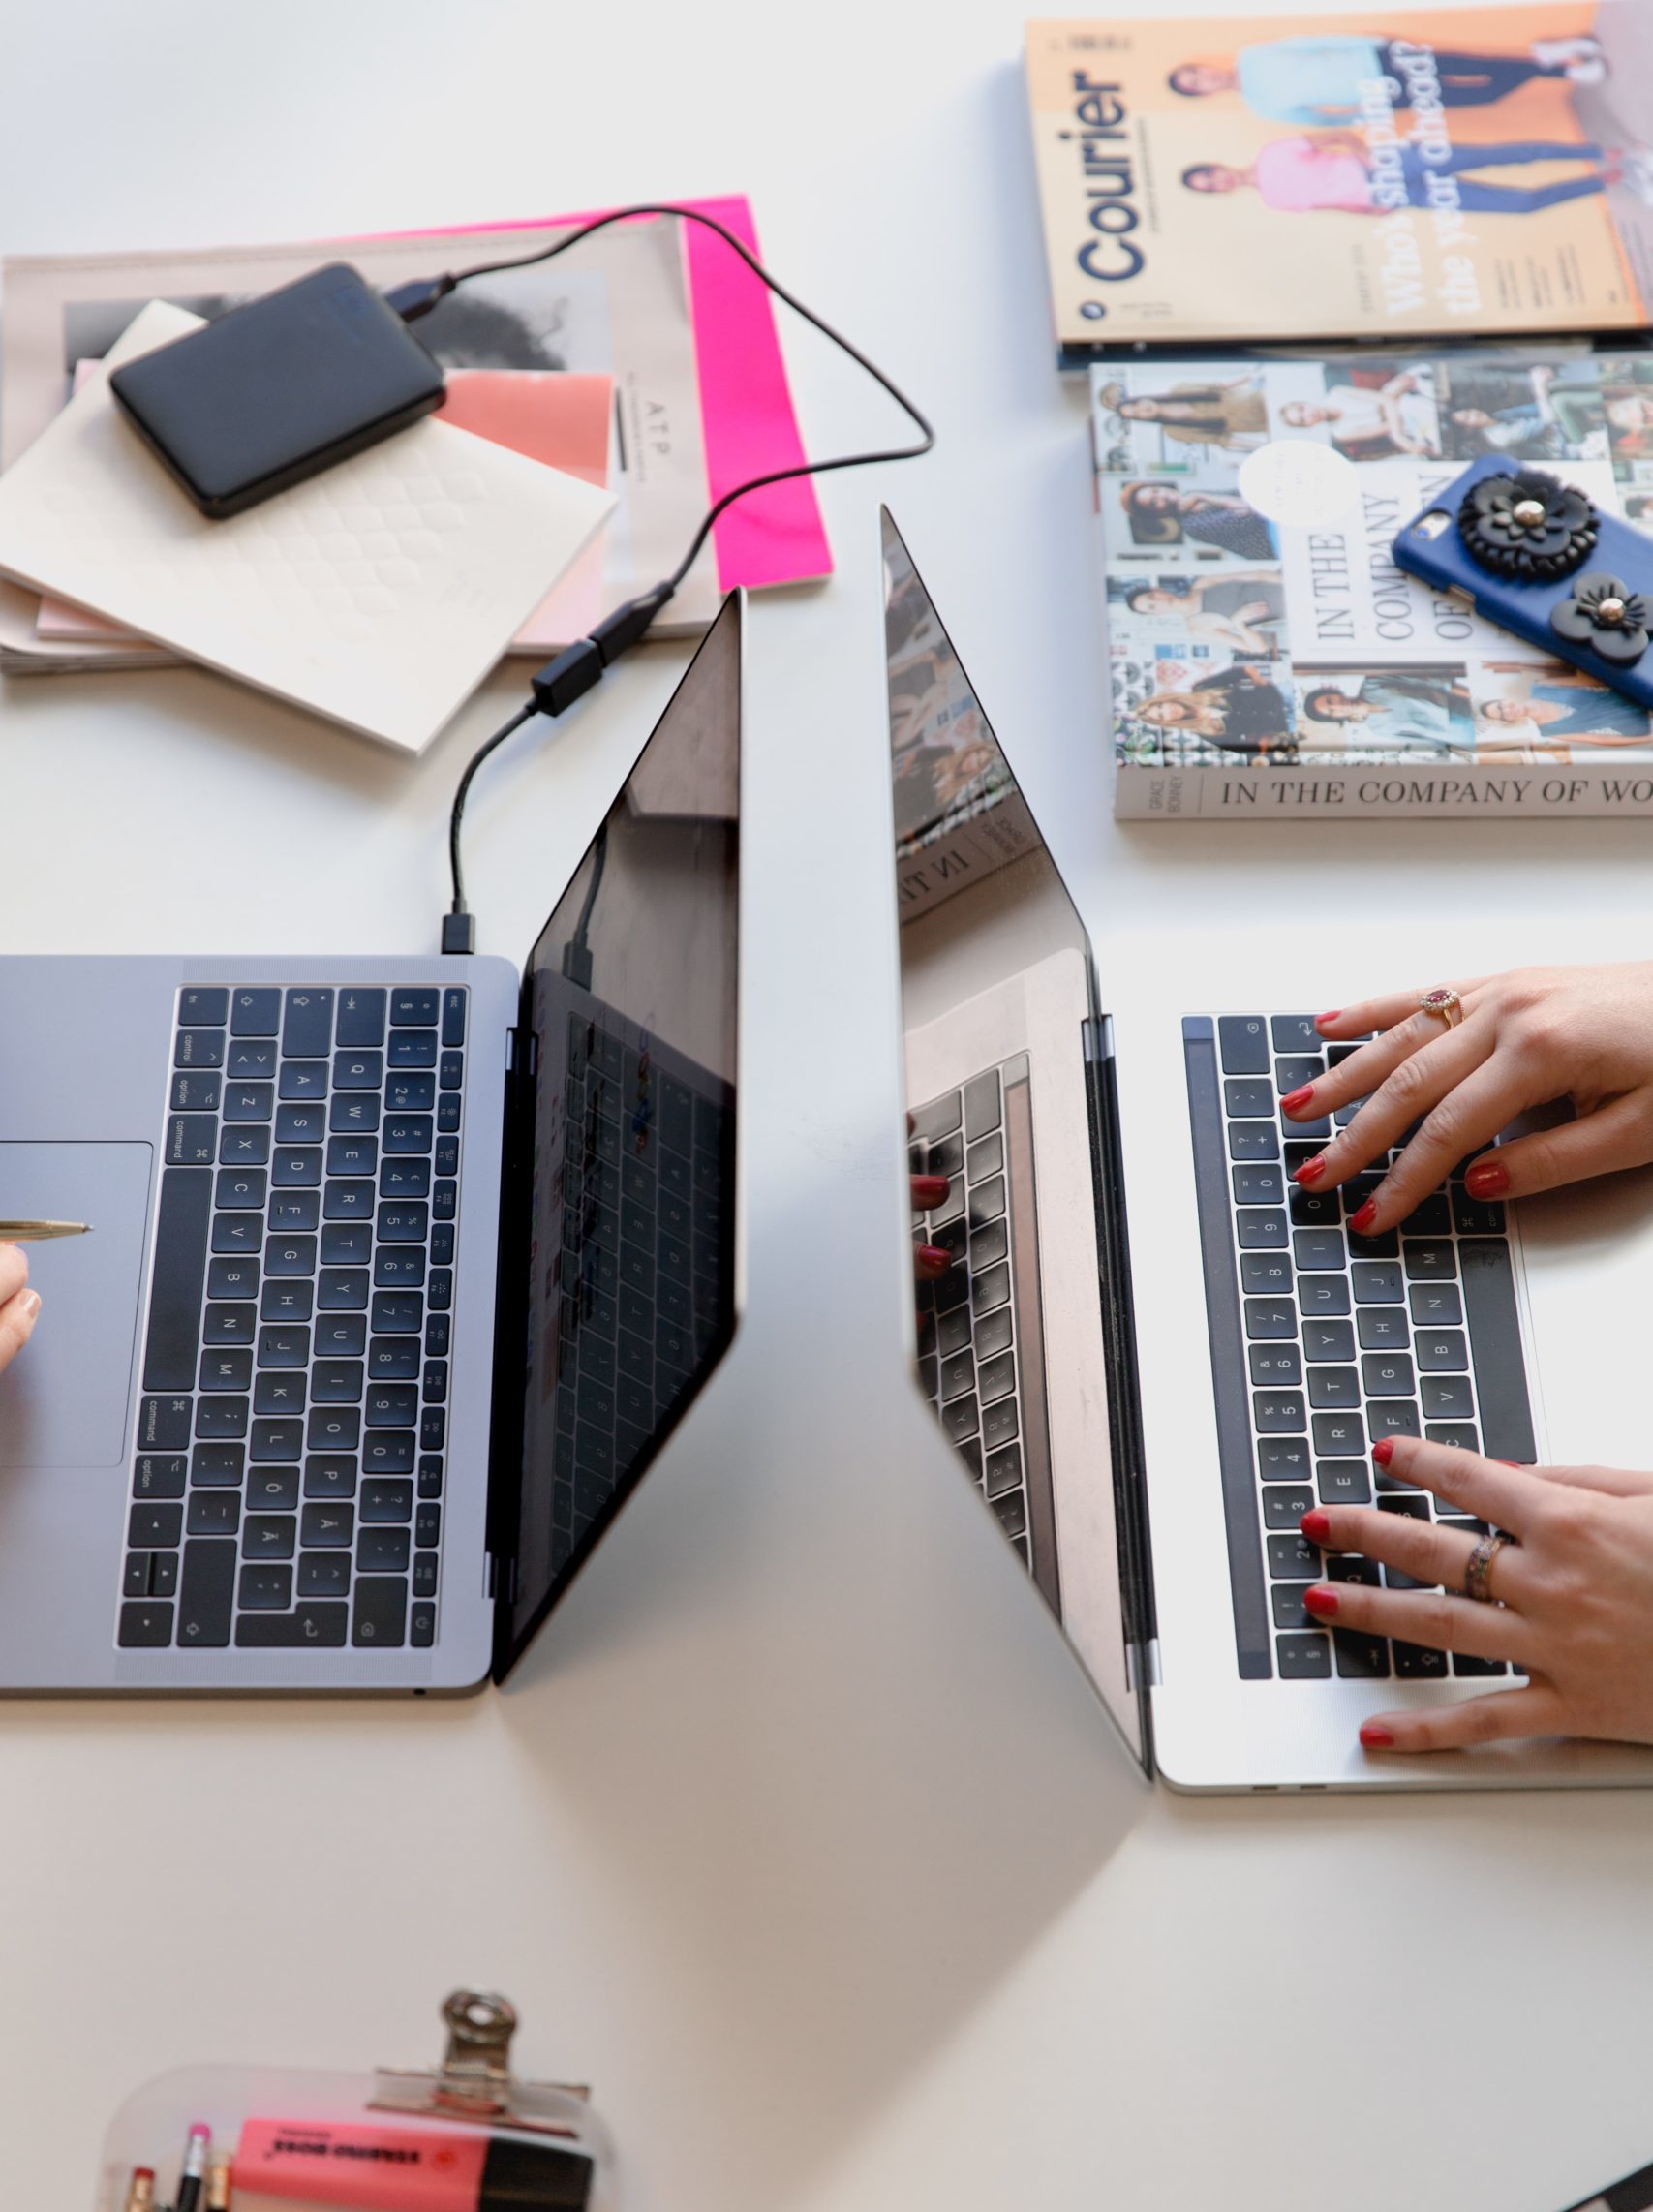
x=1436 y=552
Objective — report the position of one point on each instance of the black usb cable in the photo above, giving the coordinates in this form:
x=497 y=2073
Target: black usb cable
x=579 y=666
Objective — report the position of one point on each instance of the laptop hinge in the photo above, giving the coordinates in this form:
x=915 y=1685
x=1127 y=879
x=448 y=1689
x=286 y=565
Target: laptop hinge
x=510 y=1308
x=1118 y=1335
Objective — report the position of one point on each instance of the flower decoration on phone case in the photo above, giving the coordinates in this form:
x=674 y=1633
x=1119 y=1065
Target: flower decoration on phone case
x=1529 y=526
x=1605 y=613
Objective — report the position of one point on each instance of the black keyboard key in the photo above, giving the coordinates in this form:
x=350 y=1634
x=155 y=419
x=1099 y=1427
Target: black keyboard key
x=146 y=1625
x=323 y=1573
x=1412 y=1503
x=1290 y=1612
x=268 y=1536
x=453 y=1016
x=404 y=1221
x=255 y=1013
x=1295 y=1032
x=357 y=1070
x=447 y=1161
x=422 y=1627
x=265 y=1590
x=392 y=1405
x=1303 y=1658
x=275 y=1440
x=227 y=1368
x=1392 y=1417
x=307 y=1026
x=362 y=1018
x=297 y=1124
x=1261 y=1229
x=1315 y=1209
x=1383 y=1328
x=1417 y=1663
x=1429 y=1262
x=981 y=1105
x=1293 y=1560
x=434 y=1380
x=196 y=1091
x=1269 y=1317
x=330 y=1475
x=1284 y=1507
x=1254 y=1141
x=1282 y=1459
x=1317 y=1250
x=1443 y=1351
x=990 y=1290
x=1249 y=1101
x=1384 y=1246
x=327 y=1526
x=290 y=1255
x=394 y=1358
x=218 y=1419
x=383 y=1552
x=448 y=1112
x=1274 y=1367
x=430 y=1475
x=303 y=1079
x=450 y=1070
x=1432 y=1216
x=249 y=1101
x=206 y=1592
x=178 y=1278
x=352 y=1114
x=228 y=1324
x=1387 y=1374
x=1243 y=1039
x=397 y=1312
x=1476 y=1217
x=282 y=1347
x=154 y=1527
x=1323 y=1296
x=205 y=1006
x=313 y=1627
x=407 y=1133
x=294 y=1209
x=387 y=1452
x=445 y=1201
x=158 y=1475
x=402 y=1267
x=1339 y=1436
x=1377 y=1282
x=251 y=1061
x=244 y=1147
x=1278 y=1413
x=218 y=1465
x=1334 y=1389
x=412 y=1048
x=353 y=1156
x=334 y=1428
x=388 y=1502
x=999 y=1425
x=341 y=1289
x=1360 y=1658
x=413 y=1006
x=345 y=1243
x=1463 y=1664
x=1459 y=1434
x=1327 y=1340
x=1258 y=1186
x=297 y=1167
x=162 y=1424
x=1342 y=1482
x=403 y=1179
x=336 y=1382
x=1446 y=1398
x=199 y=1048
x=273 y=1489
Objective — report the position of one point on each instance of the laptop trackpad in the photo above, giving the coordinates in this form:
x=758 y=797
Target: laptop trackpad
x=64 y=1400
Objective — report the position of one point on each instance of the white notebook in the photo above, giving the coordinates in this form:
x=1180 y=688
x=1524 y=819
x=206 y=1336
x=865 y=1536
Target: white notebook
x=380 y=593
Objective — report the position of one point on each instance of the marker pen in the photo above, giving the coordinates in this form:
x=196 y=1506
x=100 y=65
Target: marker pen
x=194 y=2167
x=375 y=2168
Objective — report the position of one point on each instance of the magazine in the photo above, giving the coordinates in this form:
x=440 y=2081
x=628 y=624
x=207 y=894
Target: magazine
x=1452 y=174
x=1266 y=655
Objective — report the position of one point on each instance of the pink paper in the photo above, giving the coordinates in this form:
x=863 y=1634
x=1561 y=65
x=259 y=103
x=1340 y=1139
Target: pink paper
x=775 y=535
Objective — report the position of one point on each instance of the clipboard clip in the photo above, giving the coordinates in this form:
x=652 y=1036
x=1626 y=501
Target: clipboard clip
x=475 y=2080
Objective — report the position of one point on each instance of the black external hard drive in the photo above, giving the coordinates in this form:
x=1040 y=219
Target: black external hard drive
x=279 y=389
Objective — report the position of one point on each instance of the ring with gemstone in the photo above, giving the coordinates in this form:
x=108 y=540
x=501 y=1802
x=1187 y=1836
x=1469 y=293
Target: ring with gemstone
x=1477 y=1568
x=1447 y=1004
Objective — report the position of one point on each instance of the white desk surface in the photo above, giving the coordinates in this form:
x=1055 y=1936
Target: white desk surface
x=800 y=1835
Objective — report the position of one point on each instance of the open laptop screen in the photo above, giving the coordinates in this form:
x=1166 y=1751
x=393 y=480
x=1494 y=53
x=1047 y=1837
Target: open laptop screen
x=1023 y=1337
x=630 y=997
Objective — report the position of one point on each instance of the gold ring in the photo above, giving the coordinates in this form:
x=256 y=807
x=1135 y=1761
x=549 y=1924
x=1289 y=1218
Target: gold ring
x=1478 y=1569
x=1445 y=1003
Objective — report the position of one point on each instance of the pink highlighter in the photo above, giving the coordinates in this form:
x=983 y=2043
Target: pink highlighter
x=374 y=2169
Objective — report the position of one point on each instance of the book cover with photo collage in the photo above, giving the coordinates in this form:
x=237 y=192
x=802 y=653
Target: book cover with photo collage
x=1267 y=656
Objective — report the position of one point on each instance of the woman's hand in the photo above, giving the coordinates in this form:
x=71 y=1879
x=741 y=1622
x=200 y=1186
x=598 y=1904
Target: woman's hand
x=1575 y=1595
x=1525 y=1039
x=18 y=1305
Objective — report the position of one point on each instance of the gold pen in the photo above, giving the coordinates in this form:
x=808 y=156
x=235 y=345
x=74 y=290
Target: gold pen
x=37 y=1232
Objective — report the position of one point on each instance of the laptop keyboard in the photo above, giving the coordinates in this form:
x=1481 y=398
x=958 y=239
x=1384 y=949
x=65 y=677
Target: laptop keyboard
x=645 y=1169
x=286 y=1489
x=967 y=1361
x=1324 y=1341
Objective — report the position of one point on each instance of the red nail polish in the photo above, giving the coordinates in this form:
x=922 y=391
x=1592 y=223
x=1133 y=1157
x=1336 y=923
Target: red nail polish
x=1323 y=1604
x=928 y=1189
x=1383 y=1450
x=1375 y=1739
x=1315 y=1526
x=1486 y=1179
x=1311 y=1171
x=931 y=1259
x=1321 y=1020
x=1362 y=1221
x=1296 y=1100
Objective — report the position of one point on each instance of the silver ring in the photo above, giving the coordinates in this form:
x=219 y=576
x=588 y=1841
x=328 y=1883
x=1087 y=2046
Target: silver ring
x=1444 y=1002
x=1478 y=1569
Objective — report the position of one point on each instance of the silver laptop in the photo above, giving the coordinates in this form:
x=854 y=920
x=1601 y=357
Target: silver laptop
x=400 y=1270
x=1150 y=1421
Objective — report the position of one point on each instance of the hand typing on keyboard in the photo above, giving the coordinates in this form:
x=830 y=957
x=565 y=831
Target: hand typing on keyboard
x=1437 y=1094
x=1572 y=1597
x=18 y=1305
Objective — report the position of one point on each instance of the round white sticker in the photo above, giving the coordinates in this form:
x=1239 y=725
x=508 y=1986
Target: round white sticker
x=1299 y=481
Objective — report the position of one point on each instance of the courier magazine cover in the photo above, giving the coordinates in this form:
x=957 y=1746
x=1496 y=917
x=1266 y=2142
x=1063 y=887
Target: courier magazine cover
x=1396 y=174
